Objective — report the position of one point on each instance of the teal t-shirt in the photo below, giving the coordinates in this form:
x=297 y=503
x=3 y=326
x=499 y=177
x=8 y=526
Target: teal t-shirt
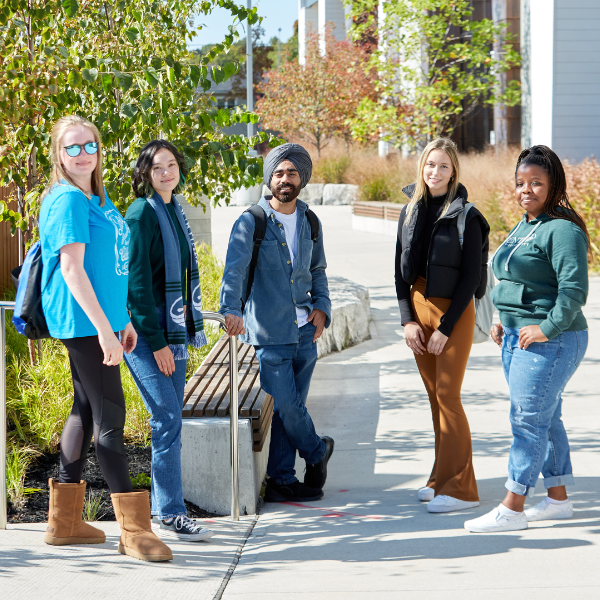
x=68 y=217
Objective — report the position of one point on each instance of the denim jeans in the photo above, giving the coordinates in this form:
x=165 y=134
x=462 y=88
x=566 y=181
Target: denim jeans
x=536 y=379
x=285 y=373
x=163 y=397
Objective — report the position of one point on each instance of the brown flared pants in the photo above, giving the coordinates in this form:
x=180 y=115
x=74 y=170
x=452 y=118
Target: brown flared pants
x=452 y=473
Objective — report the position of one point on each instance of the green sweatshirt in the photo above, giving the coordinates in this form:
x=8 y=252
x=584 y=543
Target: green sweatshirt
x=147 y=270
x=545 y=280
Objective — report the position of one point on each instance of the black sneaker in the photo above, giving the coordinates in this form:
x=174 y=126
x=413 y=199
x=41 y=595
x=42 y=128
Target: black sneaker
x=291 y=492
x=181 y=528
x=316 y=475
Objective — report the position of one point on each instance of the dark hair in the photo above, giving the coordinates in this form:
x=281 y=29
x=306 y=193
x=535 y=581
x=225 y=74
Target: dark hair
x=141 y=182
x=557 y=204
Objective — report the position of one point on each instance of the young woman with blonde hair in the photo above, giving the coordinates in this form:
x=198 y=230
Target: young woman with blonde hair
x=85 y=271
x=436 y=280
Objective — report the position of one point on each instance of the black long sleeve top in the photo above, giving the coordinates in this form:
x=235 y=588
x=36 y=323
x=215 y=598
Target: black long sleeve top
x=471 y=269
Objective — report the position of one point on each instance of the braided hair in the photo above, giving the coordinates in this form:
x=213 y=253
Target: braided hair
x=557 y=204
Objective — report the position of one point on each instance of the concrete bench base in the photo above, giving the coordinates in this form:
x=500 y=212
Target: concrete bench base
x=206 y=465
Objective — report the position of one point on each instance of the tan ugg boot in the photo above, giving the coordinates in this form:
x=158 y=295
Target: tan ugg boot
x=132 y=511
x=65 y=523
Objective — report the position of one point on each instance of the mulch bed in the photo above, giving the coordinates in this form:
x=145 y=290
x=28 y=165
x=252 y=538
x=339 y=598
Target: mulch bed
x=35 y=509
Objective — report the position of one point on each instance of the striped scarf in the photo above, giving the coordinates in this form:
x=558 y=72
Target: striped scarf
x=188 y=329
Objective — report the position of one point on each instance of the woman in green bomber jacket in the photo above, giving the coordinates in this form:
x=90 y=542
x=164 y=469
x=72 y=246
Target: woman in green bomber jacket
x=166 y=311
x=543 y=274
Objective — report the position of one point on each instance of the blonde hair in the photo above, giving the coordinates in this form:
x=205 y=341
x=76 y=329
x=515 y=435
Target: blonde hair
x=58 y=171
x=420 y=193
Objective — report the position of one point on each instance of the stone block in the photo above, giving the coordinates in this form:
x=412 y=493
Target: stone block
x=246 y=196
x=312 y=193
x=350 y=316
x=206 y=464
x=198 y=218
x=339 y=193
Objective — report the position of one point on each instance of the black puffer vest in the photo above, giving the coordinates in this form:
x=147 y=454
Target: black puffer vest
x=444 y=258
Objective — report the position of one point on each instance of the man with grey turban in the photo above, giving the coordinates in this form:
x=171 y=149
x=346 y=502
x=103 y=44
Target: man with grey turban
x=280 y=304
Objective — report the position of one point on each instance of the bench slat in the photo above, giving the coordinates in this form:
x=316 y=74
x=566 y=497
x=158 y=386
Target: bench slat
x=207 y=392
x=262 y=424
x=195 y=379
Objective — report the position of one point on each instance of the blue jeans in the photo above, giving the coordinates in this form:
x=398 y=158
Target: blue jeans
x=536 y=379
x=163 y=397
x=285 y=373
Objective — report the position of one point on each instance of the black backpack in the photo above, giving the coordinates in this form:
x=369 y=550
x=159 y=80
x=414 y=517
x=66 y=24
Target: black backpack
x=260 y=229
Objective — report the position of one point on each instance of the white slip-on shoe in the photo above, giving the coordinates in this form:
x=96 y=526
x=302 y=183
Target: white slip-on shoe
x=548 y=511
x=495 y=521
x=444 y=504
x=426 y=494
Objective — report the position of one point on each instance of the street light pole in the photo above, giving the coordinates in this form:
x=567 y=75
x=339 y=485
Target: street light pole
x=249 y=73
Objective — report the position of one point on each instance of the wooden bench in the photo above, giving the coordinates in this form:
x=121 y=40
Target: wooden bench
x=207 y=392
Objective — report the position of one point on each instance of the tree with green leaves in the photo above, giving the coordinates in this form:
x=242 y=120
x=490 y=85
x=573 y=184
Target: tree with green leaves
x=435 y=66
x=126 y=67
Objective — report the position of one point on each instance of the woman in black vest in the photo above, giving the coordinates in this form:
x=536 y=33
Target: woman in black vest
x=436 y=280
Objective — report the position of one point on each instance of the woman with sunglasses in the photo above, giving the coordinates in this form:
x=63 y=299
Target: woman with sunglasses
x=85 y=245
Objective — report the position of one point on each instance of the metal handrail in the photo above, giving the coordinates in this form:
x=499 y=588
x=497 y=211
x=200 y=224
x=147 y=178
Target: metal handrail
x=4 y=306
x=233 y=413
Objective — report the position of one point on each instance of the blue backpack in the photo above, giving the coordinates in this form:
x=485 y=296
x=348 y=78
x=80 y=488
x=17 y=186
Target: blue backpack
x=28 y=315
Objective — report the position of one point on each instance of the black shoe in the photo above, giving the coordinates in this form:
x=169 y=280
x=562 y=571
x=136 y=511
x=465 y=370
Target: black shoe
x=291 y=492
x=316 y=475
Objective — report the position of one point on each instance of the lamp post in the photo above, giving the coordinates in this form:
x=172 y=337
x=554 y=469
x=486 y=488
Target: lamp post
x=249 y=73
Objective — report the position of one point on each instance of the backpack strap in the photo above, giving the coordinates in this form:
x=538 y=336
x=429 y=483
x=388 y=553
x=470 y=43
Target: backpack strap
x=260 y=229
x=314 y=225
x=462 y=220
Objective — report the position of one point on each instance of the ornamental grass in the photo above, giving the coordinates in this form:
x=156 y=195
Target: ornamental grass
x=488 y=177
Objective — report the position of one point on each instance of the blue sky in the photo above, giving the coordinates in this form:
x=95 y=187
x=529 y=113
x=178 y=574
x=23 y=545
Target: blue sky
x=277 y=14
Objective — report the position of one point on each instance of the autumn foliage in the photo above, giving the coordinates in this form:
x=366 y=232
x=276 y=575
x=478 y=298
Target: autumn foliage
x=314 y=102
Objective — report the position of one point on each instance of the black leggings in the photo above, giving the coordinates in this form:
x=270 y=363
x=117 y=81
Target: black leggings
x=98 y=409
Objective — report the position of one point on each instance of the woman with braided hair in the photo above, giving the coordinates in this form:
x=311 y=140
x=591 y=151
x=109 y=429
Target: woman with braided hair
x=543 y=274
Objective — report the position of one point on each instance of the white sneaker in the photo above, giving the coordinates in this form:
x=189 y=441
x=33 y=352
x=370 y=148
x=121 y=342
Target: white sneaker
x=548 y=511
x=444 y=504
x=495 y=521
x=426 y=494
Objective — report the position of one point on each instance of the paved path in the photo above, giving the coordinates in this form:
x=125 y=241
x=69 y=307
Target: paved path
x=370 y=538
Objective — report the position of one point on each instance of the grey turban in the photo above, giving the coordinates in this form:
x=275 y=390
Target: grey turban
x=296 y=154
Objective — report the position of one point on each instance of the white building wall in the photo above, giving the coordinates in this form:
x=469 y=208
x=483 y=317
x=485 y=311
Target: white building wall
x=537 y=71
x=308 y=20
x=314 y=15
x=332 y=11
x=576 y=112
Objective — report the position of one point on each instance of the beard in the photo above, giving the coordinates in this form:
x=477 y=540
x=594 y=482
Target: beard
x=287 y=196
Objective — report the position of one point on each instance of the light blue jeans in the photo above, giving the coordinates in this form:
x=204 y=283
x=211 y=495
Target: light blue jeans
x=536 y=379
x=285 y=373
x=163 y=397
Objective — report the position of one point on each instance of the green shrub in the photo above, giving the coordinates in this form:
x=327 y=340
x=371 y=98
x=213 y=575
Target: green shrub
x=94 y=507
x=379 y=188
x=141 y=480
x=331 y=170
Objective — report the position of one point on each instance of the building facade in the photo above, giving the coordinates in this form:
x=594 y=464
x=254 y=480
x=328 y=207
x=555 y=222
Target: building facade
x=560 y=73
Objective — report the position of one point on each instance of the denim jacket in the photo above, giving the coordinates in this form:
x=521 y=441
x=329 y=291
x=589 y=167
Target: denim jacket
x=270 y=311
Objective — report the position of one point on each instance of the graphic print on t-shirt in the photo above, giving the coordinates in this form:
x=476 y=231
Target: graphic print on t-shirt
x=121 y=241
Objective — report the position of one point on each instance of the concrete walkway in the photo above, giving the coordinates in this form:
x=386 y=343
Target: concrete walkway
x=369 y=537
